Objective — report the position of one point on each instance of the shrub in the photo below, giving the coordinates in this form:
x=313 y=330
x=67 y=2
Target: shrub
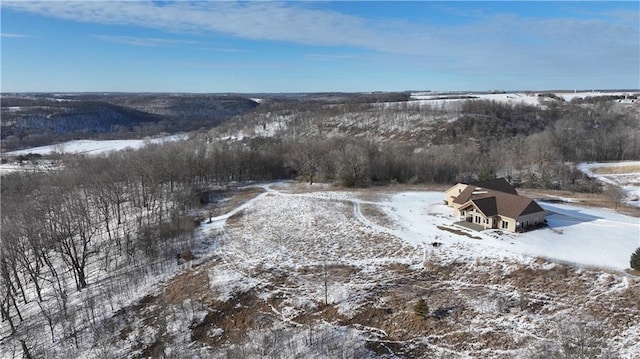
x=421 y=309
x=186 y=255
x=635 y=260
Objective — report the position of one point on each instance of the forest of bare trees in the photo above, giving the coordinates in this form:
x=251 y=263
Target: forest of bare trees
x=80 y=228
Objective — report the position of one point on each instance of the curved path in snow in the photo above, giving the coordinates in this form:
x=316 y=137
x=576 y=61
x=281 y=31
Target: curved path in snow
x=587 y=236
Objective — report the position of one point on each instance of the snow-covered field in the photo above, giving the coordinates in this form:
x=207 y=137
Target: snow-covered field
x=529 y=98
x=86 y=147
x=93 y=147
x=625 y=174
x=376 y=250
x=512 y=98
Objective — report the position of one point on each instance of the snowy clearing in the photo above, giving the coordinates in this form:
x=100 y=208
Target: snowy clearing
x=624 y=174
x=93 y=147
x=281 y=242
x=528 y=98
x=576 y=235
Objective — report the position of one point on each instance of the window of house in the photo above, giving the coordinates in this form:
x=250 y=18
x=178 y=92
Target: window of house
x=505 y=225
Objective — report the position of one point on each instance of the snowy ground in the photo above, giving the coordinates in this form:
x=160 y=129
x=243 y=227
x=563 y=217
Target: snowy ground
x=309 y=271
x=511 y=98
x=93 y=147
x=87 y=147
x=624 y=174
x=584 y=236
x=576 y=235
x=277 y=245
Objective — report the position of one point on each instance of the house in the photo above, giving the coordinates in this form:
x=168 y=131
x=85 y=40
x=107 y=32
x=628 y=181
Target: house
x=494 y=204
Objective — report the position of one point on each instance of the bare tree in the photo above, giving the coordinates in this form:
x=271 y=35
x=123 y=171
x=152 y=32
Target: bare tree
x=75 y=228
x=307 y=158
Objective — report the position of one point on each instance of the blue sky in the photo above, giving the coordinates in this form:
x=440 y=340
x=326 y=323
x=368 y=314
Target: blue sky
x=305 y=46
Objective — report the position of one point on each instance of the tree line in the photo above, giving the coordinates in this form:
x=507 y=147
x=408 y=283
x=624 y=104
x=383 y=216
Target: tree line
x=443 y=142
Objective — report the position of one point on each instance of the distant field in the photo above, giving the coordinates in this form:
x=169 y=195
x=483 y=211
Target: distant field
x=616 y=169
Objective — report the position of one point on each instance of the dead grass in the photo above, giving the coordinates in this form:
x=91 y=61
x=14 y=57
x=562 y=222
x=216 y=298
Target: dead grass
x=305 y=187
x=376 y=215
x=633 y=272
x=474 y=307
x=616 y=169
x=235 y=219
x=190 y=284
x=235 y=317
x=599 y=200
x=454 y=294
x=233 y=198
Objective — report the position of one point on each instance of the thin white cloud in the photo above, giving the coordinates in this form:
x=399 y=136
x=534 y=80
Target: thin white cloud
x=16 y=36
x=143 y=41
x=325 y=57
x=212 y=65
x=497 y=42
x=251 y=20
x=225 y=49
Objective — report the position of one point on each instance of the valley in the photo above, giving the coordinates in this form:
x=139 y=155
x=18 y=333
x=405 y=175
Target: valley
x=313 y=226
x=319 y=180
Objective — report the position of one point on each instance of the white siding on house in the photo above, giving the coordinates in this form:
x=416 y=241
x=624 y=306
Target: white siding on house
x=453 y=192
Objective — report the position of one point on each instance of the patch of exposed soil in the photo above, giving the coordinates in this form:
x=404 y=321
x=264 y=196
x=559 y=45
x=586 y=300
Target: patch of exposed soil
x=235 y=318
x=189 y=284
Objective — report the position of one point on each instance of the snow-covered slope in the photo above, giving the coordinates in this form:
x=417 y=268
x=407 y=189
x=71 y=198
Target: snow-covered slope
x=93 y=147
x=296 y=261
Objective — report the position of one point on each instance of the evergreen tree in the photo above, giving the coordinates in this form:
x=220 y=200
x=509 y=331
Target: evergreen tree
x=635 y=260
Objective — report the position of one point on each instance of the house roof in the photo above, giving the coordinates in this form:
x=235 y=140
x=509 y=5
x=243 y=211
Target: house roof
x=497 y=184
x=487 y=206
x=493 y=202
